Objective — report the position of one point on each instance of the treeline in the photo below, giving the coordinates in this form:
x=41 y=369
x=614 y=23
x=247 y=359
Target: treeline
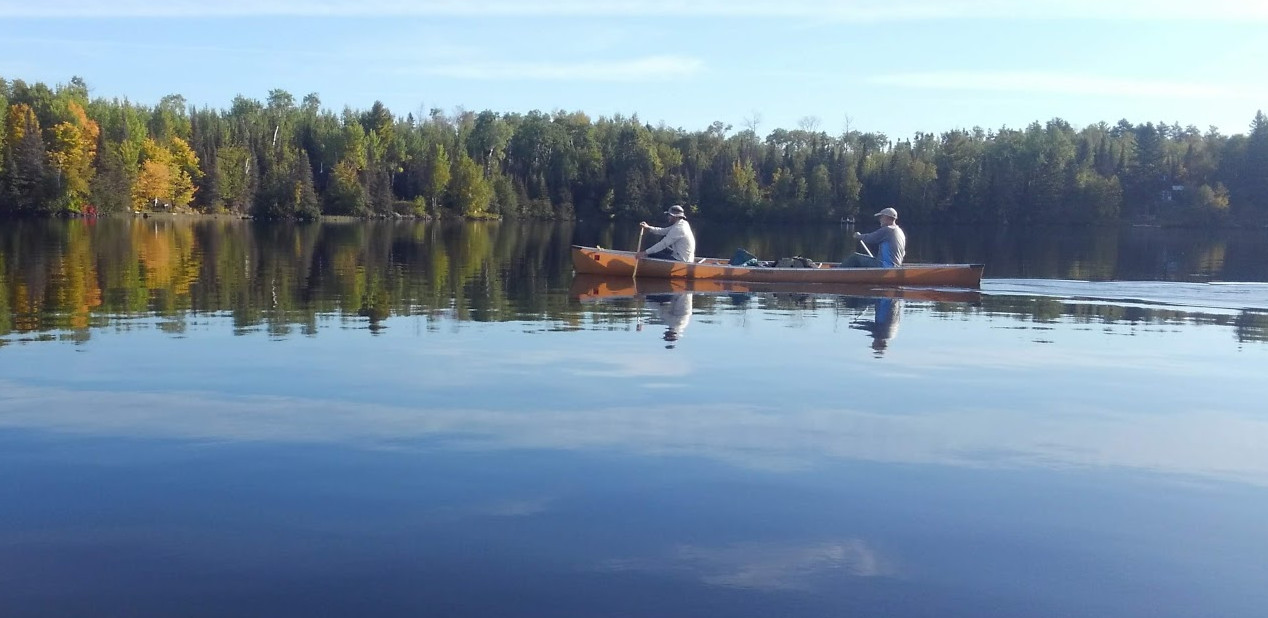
x=62 y=152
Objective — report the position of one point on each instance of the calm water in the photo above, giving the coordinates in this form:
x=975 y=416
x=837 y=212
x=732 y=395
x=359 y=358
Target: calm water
x=220 y=419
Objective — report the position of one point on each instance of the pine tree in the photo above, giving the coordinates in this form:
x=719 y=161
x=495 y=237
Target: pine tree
x=27 y=185
x=1255 y=170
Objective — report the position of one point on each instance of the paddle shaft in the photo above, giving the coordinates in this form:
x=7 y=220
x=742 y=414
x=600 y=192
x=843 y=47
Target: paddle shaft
x=638 y=324
x=861 y=314
x=637 y=248
x=865 y=249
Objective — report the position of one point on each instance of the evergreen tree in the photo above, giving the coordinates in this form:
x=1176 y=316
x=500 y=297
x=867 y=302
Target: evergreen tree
x=27 y=185
x=1254 y=201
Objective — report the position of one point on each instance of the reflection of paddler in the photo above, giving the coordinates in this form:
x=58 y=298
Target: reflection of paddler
x=889 y=313
x=675 y=313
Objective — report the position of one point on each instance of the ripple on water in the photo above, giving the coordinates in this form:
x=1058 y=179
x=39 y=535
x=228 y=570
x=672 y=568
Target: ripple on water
x=1233 y=295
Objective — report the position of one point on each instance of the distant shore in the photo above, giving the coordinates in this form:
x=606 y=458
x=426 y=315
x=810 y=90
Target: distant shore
x=1135 y=223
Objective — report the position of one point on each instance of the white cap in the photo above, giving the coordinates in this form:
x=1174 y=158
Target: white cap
x=676 y=211
x=887 y=212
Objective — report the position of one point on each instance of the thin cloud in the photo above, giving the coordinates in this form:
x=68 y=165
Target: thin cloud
x=847 y=10
x=1196 y=442
x=104 y=45
x=1049 y=83
x=430 y=51
x=652 y=68
x=763 y=566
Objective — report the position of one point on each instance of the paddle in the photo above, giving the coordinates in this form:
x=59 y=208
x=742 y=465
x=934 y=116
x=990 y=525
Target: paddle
x=860 y=315
x=638 y=325
x=638 y=248
x=865 y=249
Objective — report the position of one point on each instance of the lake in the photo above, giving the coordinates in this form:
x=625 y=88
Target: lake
x=212 y=417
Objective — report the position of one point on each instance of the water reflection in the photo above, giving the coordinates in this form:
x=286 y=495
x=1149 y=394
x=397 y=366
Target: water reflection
x=674 y=311
x=766 y=566
x=65 y=280
x=226 y=435
x=673 y=301
x=78 y=275
x=883 y=327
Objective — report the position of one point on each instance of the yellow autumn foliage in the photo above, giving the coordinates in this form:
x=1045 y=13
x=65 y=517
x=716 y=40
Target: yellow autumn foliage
x=72 y=151
x=166 y=175
x=20 y=117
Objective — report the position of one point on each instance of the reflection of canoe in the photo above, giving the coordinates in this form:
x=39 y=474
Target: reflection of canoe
x=595 y=287
x=592 y=261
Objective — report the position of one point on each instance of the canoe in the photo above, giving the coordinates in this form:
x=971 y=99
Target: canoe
x=610 y=262
x=599 y=287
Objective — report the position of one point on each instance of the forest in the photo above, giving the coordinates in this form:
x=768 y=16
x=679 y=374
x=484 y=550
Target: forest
x=63 y=152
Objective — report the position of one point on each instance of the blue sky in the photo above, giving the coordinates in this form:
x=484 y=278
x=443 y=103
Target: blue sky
x=894 y=66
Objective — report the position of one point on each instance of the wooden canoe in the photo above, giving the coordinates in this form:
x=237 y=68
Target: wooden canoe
x=599 y=287
x=609 y=262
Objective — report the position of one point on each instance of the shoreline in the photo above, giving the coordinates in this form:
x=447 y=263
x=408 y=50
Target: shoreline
x=1125 y=224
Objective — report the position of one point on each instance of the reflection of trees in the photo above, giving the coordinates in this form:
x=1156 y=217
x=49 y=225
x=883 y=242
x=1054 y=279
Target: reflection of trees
x=1037 y=309
x=75 y=287
x=1248 y=325
x=1083 y=253
x=57 y=275
x=170 y=262
x=1252 y=326
x=1208 y=259
x=6 y=314
x=1245 y=258
x=73 y=275
x=1173 y=255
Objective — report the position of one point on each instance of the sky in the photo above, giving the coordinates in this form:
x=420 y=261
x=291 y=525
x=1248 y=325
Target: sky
x=892 y=66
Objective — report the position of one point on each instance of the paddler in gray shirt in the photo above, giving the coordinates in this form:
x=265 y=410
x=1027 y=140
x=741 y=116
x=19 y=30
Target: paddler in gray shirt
x=678 y=242
x=889 y=240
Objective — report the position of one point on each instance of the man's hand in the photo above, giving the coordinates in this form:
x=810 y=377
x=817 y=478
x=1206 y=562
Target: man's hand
x=640 y=255
x=644 y=225
x=857 y=235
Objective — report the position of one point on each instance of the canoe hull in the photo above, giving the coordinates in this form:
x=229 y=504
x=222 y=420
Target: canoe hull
x=592 y=261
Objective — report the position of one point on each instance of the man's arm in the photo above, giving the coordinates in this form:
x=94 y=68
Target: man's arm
x=672 y=234
x=877 y=235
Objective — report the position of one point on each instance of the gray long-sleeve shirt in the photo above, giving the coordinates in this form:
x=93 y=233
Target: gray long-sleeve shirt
x=678 y=238
x=890 y=243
